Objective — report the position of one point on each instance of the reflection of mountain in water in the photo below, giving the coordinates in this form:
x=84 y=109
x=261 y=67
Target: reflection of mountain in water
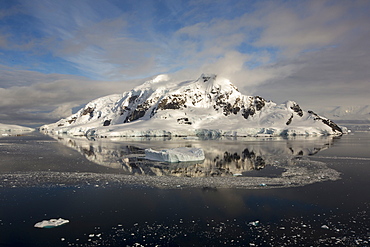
x=223 y=157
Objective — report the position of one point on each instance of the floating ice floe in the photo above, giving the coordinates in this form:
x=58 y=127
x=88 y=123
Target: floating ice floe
x=237 y=174
x=182 y=154
x=51 y=223
x=254 y=223
x=325 y=227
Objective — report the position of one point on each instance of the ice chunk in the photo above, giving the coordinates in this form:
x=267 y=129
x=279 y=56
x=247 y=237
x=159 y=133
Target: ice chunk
x=325 y=227
x=51 y=223
x=254 y=223
x=175 y=154
x=237 y=174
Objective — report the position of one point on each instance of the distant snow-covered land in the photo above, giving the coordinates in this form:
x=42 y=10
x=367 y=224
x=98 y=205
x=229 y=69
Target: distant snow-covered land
x=209 y=106
x=349 y=113
x=355 y=118
x=10 y=129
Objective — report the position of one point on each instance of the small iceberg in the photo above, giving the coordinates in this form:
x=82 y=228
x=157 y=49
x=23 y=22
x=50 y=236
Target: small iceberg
x=325 y=227
x=51 y=223
x=254 y=223
x=182 y=154
x=237 y=174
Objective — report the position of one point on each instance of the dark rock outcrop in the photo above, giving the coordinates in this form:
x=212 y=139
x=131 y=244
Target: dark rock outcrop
x=328 y=122
x=297 y=109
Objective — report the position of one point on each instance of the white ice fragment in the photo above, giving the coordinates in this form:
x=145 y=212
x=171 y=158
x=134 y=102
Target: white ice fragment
x=324 y=227
x=182 y=154
x=51 y=223
x=254 y=223
x=237 y=174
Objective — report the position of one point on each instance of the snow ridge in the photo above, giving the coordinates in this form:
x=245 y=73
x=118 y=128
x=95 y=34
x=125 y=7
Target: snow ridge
x=209 y=106
x=347 y=112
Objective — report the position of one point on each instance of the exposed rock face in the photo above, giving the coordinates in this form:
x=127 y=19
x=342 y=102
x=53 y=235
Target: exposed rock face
x=183 y=120
x=107 y=122
x=202 y=105
x=289 y=120
x=297 y=109
x=326 y=121
x=88 y=110
x=172 y=102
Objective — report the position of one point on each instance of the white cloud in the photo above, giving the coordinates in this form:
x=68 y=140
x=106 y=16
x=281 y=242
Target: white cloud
x=48 y=97
x=338 y=76
x=320 y=51
x=278 y=49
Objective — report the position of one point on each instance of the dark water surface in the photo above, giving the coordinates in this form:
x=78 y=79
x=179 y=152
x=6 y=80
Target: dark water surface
x=327 y=213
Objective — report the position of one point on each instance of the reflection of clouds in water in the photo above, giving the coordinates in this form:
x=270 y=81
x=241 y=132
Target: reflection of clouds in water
x=224 y=157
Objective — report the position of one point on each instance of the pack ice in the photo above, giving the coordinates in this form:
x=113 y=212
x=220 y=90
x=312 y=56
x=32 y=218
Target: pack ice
x=182 y=154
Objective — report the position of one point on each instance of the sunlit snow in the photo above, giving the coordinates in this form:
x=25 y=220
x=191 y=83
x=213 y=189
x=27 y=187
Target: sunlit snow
x=208 y=106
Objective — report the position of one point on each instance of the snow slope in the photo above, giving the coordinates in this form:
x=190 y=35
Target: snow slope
x=208 y=106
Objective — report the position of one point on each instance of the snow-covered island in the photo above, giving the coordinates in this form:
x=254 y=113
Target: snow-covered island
x=209 y=106
x=11 y=129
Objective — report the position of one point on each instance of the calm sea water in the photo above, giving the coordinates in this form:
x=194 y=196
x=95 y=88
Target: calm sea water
x=328 y=212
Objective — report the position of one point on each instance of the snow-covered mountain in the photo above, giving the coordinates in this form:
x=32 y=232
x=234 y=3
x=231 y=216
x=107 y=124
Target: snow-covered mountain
x=208 y=106
x=347 y=112
x=11 y=129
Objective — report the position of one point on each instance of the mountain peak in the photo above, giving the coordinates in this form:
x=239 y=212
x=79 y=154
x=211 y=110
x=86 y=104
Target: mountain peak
x=207 y=78
x=210 y=83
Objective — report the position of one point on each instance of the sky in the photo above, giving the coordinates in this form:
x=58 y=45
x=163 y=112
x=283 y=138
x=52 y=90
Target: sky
x=57 y=55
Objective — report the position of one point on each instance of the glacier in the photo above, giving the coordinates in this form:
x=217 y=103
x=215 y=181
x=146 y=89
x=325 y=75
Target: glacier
x=208 y=107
